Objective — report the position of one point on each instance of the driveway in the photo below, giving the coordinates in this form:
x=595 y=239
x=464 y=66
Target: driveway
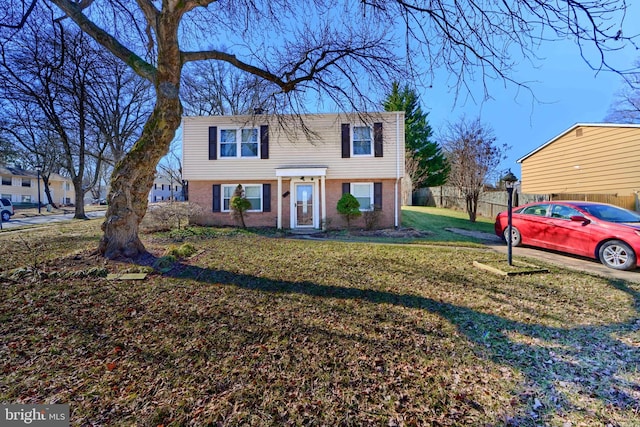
x=584 y=265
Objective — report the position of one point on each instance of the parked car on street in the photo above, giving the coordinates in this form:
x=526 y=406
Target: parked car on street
x=6 y=209
x=596 y=230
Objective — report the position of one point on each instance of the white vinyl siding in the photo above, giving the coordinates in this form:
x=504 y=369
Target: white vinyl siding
x=291 y=147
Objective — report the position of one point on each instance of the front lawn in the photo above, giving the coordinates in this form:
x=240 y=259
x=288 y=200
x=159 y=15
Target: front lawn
x=255 y=330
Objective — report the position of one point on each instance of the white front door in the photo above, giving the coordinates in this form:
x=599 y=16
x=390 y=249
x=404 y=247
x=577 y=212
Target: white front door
x=303 y=205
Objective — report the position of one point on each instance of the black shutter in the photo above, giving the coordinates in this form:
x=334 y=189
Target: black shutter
x=266 y=197
x=346 y=187
x=213 y=142
x=264 y=142
x=377 y=139
x=217 y=200
x=346 y=141
x=377 y=196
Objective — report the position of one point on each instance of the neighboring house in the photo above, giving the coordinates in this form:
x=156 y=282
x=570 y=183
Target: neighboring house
x=293 y=180
x=165 y=189
x=595 y=159
x=21 y=186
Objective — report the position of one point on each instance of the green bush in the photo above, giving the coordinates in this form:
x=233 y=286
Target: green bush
x=184 y=251
x=349 y=208
x=239 y=205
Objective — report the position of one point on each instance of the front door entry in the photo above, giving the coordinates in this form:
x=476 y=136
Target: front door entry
x=304 y=205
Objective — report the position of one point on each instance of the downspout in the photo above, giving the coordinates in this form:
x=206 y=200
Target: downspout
x=395 y=209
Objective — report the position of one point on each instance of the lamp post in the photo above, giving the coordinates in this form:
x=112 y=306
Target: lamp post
x=509 y=180
x=38 y=170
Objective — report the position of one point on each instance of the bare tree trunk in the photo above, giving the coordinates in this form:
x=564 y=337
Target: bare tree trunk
x=472 y=206
x=79 y=200
x=133 y=176
x=47 y=190
x=132 y=180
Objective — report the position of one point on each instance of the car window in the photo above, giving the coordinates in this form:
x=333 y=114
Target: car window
x=5 y=202
x=538 y=210
x=563 y=212
x=611 y=213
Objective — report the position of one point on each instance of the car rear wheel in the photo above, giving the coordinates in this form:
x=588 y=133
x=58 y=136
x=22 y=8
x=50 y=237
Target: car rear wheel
x=618 y=255
x=6 y=216
x=516 y=238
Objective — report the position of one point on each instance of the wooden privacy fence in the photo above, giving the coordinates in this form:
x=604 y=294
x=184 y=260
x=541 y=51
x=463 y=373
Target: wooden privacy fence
x=627 y=202
x=491 y=202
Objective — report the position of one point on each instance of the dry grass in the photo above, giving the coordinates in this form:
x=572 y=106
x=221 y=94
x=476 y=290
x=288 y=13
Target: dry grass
x=253 y=330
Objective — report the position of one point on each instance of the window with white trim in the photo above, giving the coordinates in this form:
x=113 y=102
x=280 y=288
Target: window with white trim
x=252 y=192
x=362 y=141
x=6 y=180
x=5 y=196
x=26 y=182
x=363 y=192
x=239 y=143
x=26 y=198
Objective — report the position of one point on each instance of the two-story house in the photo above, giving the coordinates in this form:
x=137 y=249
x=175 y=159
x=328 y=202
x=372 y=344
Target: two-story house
x=294 y=172
x=165 y=189
x=21 y=186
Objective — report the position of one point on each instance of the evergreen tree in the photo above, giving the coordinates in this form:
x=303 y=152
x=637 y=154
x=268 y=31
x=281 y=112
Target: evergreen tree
x=426 y=164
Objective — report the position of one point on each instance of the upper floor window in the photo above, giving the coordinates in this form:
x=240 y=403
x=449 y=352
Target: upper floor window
x=239 y=143
x=361 y=141
x=26 y=182
x=6 y=180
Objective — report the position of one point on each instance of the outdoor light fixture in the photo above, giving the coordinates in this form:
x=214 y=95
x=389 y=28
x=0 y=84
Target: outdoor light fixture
x=38 y=170
x=509 y=181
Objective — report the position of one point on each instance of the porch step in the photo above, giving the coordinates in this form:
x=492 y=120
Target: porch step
x=305 y=231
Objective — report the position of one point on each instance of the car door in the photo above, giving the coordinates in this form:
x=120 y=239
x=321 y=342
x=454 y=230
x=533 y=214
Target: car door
x=532 y=223
x=565 y=234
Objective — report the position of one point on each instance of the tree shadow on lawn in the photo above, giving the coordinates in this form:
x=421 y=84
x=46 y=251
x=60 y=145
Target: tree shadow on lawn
x=561 y=364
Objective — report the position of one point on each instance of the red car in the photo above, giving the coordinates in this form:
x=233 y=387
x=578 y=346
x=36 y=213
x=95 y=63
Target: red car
x=595 y=230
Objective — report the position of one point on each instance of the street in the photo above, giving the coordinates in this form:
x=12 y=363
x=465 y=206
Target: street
x=17 y=221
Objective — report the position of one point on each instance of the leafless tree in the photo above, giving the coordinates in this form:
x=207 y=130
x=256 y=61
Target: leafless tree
x=473 y=156
x=342 y=56
x=47 y=72
x=626 y=105
x=119 y=107
x=69 y=104
x=217 y=88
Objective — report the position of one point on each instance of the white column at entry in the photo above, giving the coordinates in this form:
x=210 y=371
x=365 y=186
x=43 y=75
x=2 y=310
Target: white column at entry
x=279 y=194
x=323 y=216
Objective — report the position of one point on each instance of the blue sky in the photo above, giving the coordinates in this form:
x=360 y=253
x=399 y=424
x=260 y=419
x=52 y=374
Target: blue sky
x=568 y=91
